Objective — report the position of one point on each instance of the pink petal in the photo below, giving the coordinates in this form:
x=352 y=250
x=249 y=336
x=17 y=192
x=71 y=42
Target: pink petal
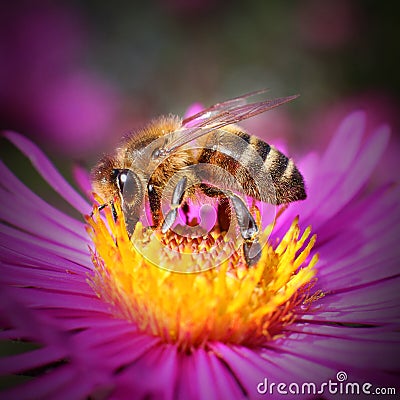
x=21 y=246
x=16 y=190
x=30 y=360
x=37 y=298
x=44 y=386
x=137 y=381
x=81 y=177
x=44 y=166
x=336 y=158
x=213 y=379
x=193 y=109
x=355 y=177
x=373 y=304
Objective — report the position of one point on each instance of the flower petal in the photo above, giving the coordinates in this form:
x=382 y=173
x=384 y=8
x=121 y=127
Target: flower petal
x=20 y=246
x=44 y=166
x=82 y=178
x=373 y=304
x=354 y=179
x=136 y=381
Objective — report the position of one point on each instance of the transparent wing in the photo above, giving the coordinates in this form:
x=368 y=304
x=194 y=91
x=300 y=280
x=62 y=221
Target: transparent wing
x=221 y=115
x=219 y=107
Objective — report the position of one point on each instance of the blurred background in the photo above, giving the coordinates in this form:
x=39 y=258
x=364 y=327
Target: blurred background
x=76 y=75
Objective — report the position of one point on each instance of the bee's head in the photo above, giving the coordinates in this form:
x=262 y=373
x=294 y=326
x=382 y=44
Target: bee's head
x=110 y=179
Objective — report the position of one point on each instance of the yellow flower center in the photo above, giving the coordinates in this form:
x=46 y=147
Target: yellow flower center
x=231 y=303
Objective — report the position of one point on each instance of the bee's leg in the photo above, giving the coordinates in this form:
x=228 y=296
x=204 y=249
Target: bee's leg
x=247 y=225
x=114 y=211
x=251 y=252
x=177 y=197
x=155 y=205
x=248 y=229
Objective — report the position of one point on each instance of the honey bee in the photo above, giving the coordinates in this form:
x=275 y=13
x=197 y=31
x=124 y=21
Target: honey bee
x=164 y=153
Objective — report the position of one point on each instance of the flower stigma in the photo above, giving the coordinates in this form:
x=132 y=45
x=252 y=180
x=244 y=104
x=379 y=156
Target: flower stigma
x=230 y=302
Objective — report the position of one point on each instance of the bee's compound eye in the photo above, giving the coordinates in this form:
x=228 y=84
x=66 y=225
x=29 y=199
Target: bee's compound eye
x=122 y=179
x=120 y=176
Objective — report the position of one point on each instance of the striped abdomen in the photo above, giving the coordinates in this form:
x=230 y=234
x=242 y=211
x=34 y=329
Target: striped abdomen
x=262 y=171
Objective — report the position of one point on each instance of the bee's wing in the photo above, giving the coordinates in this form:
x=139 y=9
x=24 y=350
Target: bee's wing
x=219 y=107
x=224 y=114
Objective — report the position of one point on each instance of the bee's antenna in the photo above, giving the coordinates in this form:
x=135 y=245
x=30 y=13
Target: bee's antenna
x=100 y=207
x=103 y=206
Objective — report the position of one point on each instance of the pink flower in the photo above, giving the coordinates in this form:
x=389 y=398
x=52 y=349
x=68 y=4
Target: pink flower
x=85 y=350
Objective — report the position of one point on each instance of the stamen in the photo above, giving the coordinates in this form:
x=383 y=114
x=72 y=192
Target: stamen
x=229 y=302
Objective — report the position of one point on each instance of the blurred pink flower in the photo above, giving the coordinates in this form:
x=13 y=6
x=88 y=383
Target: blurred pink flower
x=45 y=92
x=77 y=113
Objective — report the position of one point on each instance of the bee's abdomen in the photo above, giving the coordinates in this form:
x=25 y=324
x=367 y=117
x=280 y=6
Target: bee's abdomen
x=270 y=168
x=287 y=179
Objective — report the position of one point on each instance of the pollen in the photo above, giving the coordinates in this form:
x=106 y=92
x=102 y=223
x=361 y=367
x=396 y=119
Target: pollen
x=197 y=302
